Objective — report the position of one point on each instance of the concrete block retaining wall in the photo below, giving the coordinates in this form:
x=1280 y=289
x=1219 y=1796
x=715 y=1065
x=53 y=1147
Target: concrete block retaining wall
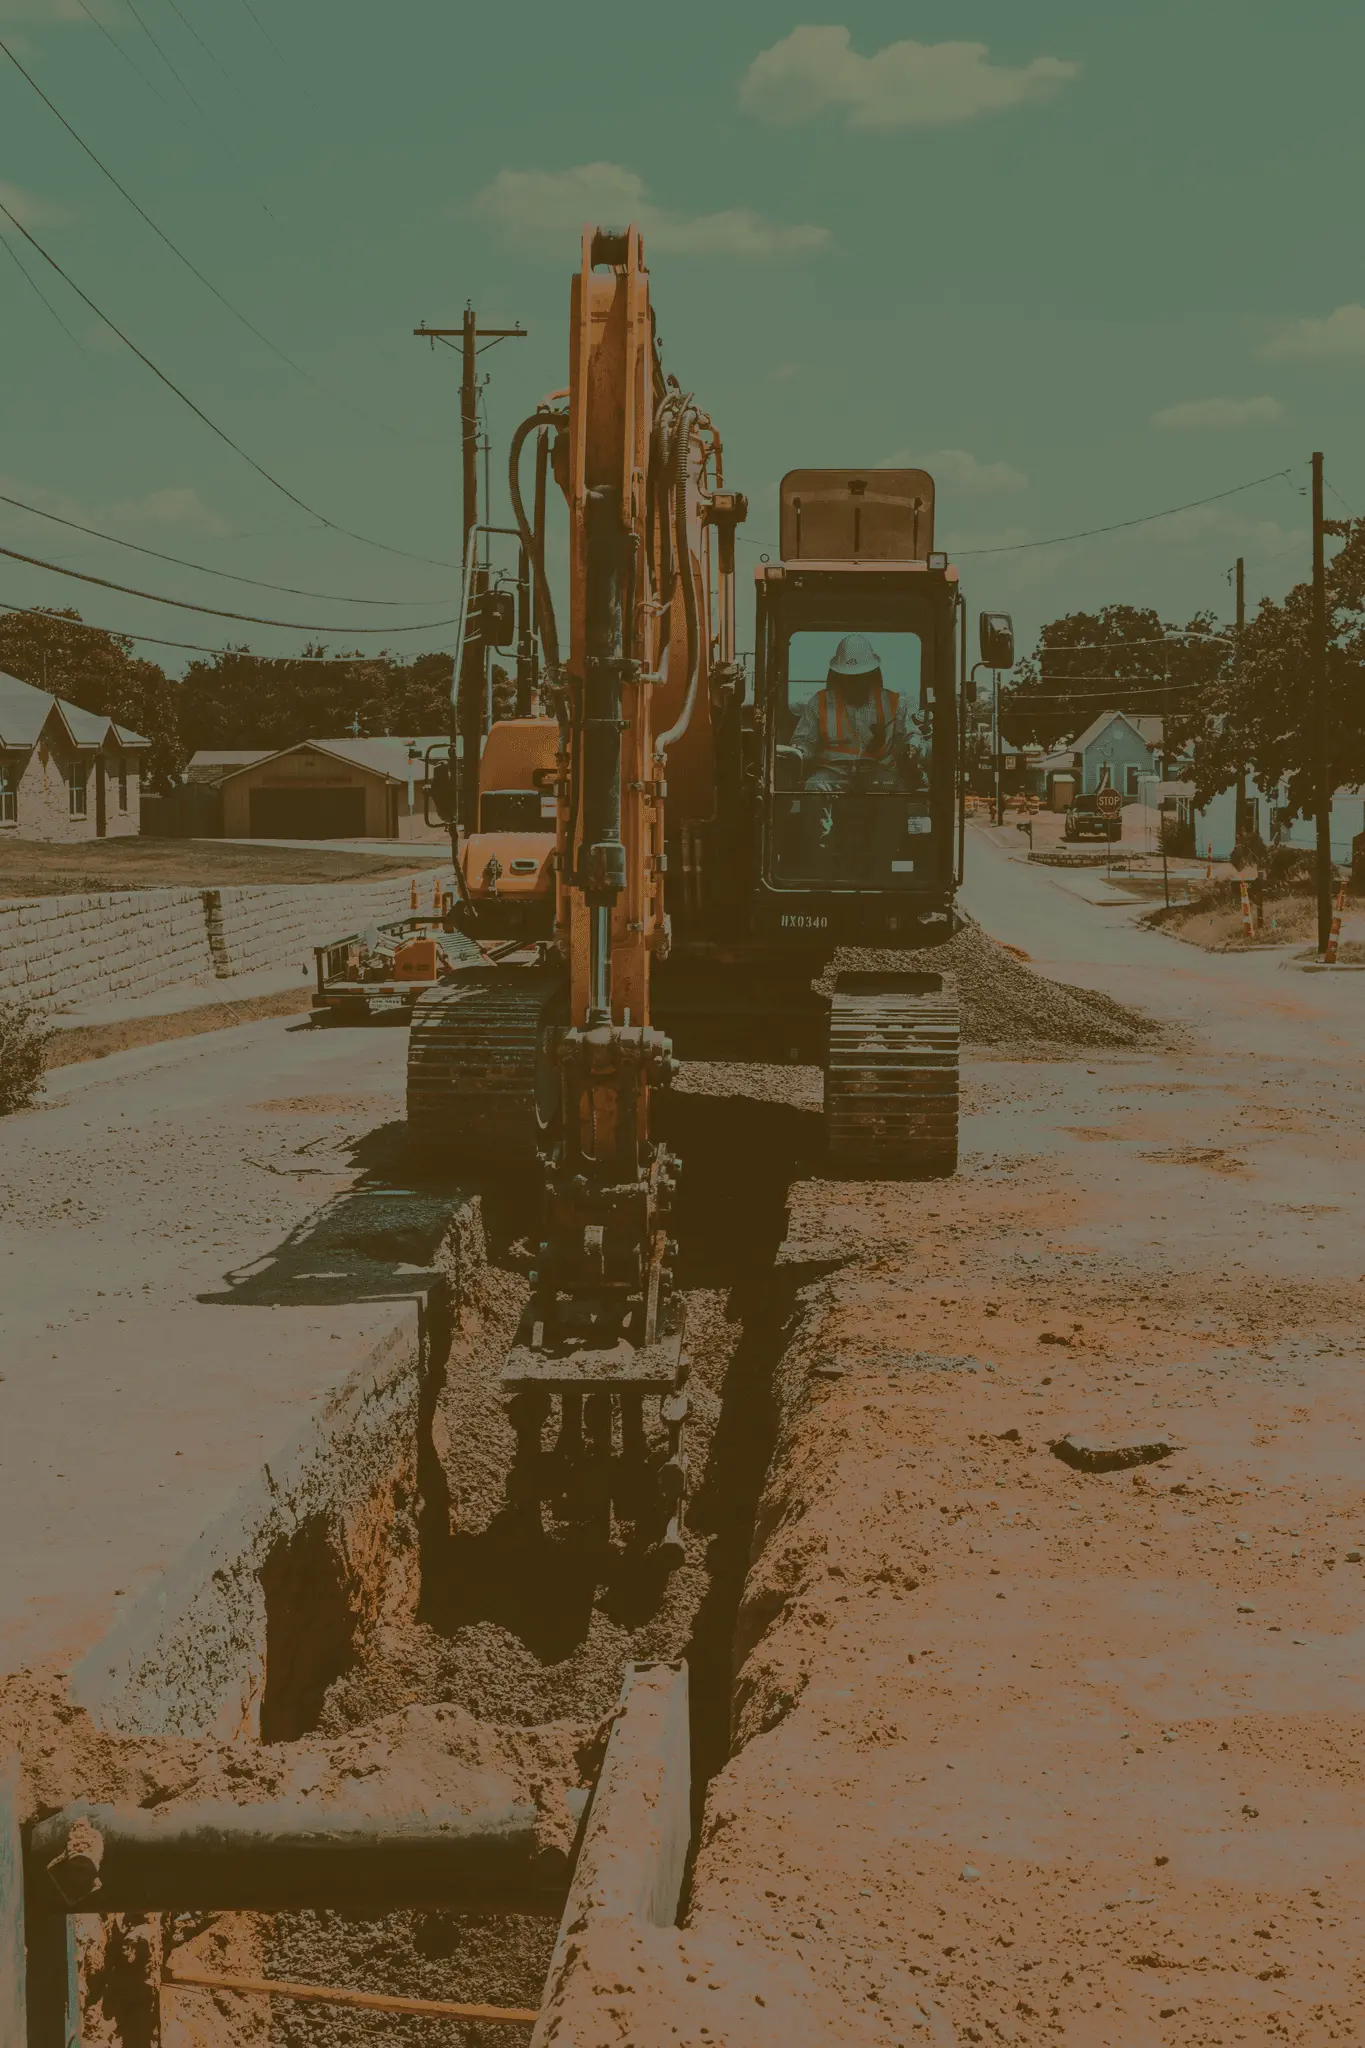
x=60 y=950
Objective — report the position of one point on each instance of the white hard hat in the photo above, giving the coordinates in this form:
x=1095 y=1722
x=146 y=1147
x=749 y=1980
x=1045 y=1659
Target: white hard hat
x=855 y=656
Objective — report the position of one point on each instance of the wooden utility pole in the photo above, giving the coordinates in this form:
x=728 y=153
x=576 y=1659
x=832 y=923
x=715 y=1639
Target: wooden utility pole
x=467 y=692
x=1322 y=789
x=1240 y=794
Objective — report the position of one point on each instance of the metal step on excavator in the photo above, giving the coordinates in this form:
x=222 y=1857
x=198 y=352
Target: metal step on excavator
x=716 y=836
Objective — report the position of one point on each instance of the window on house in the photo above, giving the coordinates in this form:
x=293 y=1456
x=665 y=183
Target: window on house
x=123 y=785
x=75 y=789
x=9 y=795
x=1131 y=779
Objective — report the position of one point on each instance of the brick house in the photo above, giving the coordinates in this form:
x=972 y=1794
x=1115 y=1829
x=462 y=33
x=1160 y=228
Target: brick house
x=65 y=773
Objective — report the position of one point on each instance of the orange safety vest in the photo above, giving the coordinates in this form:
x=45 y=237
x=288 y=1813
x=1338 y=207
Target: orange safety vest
x=838 y=735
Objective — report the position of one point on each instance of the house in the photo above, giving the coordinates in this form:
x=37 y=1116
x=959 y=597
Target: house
x=65 y=773
x=318 y=789
x=1265 y=816
x=1128 y=744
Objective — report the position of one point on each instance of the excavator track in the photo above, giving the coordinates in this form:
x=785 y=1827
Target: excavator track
x=481 y=1077
x=891 y=1084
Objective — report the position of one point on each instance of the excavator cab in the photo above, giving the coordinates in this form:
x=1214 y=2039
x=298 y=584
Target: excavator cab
x=858 y=712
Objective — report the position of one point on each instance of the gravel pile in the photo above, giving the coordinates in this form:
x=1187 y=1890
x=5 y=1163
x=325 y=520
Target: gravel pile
x=1006 y=1003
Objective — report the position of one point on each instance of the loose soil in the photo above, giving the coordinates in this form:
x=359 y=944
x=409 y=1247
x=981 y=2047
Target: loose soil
x=77 y=1042
x=1005 y=1003
x=35 y=868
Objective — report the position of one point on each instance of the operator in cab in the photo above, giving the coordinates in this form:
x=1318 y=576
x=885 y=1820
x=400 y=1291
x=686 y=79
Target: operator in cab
x=854 y=735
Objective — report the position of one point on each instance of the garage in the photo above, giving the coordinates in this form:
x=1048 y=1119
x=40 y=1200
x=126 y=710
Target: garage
x=301 y=813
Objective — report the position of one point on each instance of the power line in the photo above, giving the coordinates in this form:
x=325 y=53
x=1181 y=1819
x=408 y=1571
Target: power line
x=222 y=143
x=210 y=611
x=1118 y=646
x=1145 y=519
x=211 y=54
x=212 y=425
x=179 y=253
x=230 y=575
x=280 y=54
x=35 y=287
x=37 y=611
x=90 y=15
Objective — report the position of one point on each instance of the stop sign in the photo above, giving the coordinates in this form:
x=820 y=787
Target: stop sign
x=1108 y=803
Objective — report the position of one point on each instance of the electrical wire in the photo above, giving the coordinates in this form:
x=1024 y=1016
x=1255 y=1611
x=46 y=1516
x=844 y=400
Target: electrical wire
x=210 y=611
x=34 y=286
x=280 y=54
x=113 y=40
x=200 y=414
x=193 y=268
x=211 y=54
x=37 y=611
x=220 y=140
x=230 y=575
x=1119 y=525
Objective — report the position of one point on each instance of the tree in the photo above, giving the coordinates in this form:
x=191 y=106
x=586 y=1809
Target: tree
x=239 y=699
x=1121 y=658
x=53 y=651
x=1256 y=715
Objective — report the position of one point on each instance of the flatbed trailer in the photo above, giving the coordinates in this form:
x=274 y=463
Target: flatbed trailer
x=348 y=991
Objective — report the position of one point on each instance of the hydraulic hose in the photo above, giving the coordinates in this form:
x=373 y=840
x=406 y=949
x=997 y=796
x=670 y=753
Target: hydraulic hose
x=545 y=611
x=683 y=556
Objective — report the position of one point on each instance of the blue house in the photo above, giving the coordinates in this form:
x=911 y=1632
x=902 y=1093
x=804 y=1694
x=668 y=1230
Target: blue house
x=1128 y=744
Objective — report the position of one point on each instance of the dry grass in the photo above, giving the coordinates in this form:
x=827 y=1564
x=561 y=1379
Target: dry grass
x=33 y=868
x=95 y=1041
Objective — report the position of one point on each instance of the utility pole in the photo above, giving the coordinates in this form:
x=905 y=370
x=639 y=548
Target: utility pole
x=1240 y=790
x=999 y=751
x=467 y=689
x=1322 y=791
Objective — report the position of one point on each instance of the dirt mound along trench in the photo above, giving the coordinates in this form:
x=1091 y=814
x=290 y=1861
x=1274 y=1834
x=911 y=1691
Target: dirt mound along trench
x=1005 y=1003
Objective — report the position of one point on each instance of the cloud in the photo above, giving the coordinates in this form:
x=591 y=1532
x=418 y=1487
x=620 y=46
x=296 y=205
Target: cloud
x=547 y=211
x=1219 y=414
x=178 y=505
x=1338 y=337
x=42 y=11
x=905 y=85
x=29 y=211
x=958 y=470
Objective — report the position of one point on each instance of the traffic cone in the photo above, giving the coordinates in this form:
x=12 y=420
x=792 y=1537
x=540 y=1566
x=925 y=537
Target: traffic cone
x=1330 y=956
x=412 y=894
x=1248 y=929
x=436 y=896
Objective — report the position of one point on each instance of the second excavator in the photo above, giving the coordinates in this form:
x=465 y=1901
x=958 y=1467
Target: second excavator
x=717 y=836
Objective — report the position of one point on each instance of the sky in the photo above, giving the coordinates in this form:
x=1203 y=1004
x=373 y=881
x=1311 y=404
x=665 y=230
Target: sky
x=1084 y=264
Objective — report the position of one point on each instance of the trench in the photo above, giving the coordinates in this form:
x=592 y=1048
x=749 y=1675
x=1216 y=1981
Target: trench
x=533 y=1629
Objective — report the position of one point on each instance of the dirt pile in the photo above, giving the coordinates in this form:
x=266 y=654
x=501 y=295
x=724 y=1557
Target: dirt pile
x=1004 y=1002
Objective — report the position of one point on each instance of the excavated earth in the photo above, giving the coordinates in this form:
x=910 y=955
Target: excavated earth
x=986 y=1748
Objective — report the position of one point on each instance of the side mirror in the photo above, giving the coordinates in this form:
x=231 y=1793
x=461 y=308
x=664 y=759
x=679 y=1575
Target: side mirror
x=997 y=640
x=443 y=790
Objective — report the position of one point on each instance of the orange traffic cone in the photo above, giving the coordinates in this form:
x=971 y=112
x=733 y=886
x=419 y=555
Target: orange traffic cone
x=1330 y=956
x=1248 y=929
x=412 y=894
x=436 y=896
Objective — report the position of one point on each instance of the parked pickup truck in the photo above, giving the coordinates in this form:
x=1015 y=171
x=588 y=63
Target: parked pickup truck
x=1097 y=816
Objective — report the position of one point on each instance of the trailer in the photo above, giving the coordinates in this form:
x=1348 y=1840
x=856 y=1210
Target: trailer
x=382 y=970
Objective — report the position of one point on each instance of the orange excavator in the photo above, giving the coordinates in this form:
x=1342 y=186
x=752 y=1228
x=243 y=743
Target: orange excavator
x=669 y=859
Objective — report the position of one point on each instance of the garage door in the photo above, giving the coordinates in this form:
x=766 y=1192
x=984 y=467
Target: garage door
x=307 y=813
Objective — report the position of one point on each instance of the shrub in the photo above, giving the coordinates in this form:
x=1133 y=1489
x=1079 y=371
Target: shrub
x=24 y=1038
